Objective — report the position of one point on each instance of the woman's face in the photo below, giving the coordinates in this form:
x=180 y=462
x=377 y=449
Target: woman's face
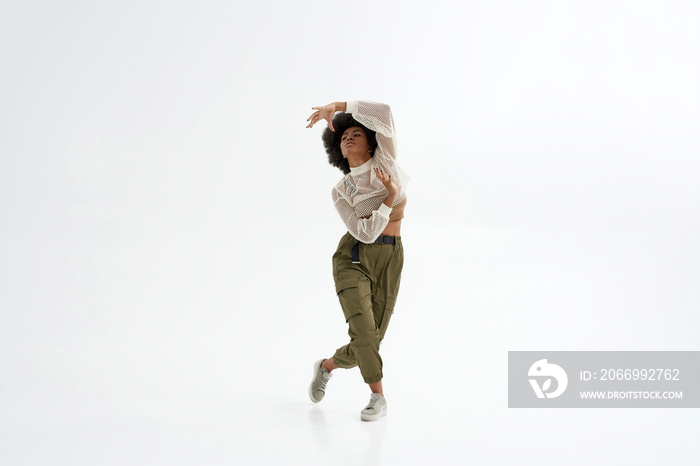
x=354 y=142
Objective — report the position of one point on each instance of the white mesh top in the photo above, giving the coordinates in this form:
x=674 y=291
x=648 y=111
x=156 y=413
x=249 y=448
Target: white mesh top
x=359 y=196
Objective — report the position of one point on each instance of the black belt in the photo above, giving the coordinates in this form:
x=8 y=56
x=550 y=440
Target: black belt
x=382 y=239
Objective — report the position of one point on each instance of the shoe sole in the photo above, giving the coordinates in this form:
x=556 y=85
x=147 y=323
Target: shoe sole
x=373 y=417
x=317 y=367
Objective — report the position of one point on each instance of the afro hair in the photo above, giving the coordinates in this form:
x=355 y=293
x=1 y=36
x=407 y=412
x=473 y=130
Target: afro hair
x=331 y=140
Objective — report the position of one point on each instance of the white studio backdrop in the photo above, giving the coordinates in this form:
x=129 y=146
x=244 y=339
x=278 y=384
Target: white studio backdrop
x=167 y=225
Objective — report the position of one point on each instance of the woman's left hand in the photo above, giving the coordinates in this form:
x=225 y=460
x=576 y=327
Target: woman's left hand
x=327 y=112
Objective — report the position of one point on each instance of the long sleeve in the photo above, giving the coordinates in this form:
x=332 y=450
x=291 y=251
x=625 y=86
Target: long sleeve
x=359 y=196
x=377 y=117
x=367 y=229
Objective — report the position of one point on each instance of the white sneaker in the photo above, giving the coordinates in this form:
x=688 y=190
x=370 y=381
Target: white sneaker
x=317 y=389
x=375 y=409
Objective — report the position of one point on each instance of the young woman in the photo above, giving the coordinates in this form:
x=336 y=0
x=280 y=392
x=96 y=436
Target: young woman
x=367 y=265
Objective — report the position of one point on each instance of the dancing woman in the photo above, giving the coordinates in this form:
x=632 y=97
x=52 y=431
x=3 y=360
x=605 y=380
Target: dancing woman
x=367 y=265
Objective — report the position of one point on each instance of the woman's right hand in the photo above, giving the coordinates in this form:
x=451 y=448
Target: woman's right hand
x=389 y=184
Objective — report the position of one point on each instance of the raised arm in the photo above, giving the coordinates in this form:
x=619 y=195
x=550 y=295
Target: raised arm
x=377 y=117
x=373 y=115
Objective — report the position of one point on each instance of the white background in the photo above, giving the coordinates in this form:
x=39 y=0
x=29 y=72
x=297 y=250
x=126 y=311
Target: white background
x=167 y=226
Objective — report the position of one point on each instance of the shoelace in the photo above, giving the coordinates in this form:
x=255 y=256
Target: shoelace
x=322 y=383
x=372 y=402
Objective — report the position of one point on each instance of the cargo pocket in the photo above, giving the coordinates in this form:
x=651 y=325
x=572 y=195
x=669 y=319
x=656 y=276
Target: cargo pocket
x=388 y=312
x=355 y=297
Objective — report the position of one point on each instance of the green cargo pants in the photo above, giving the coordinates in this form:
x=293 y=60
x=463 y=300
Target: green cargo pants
x=367 y=292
